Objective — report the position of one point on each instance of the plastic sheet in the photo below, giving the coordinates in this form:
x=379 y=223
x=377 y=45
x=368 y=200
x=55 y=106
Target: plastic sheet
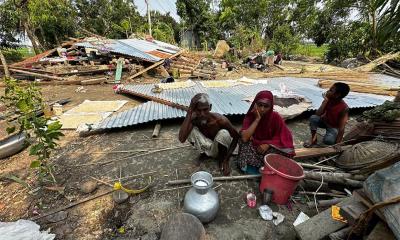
x=23 y=230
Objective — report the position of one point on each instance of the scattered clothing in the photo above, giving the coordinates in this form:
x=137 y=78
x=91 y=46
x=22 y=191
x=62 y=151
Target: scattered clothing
x=208 y=146
x=248 y=156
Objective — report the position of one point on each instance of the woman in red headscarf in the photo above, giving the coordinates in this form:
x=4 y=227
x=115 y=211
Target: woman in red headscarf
x=263 y=132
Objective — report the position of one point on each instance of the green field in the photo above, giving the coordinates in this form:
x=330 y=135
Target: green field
x=311 y=50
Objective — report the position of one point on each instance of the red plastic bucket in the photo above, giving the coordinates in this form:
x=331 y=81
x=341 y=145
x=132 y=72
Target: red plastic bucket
x=281 y=175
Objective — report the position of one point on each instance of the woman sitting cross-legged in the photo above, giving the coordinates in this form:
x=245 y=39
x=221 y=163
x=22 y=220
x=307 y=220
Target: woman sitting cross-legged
x=264 y=131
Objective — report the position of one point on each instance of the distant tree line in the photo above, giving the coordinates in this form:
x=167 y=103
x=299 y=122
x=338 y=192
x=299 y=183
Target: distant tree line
x=349 y=28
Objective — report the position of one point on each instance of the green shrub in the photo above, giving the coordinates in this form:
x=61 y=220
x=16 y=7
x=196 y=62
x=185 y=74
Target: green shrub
x=12 y=55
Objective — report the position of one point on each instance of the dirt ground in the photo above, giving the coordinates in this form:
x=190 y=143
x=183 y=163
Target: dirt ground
x=128 y=152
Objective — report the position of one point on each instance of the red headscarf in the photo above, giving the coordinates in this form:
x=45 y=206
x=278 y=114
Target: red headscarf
x=271 y=129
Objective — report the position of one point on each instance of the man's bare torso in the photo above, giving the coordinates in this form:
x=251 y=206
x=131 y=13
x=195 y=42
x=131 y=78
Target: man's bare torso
x=212 y=127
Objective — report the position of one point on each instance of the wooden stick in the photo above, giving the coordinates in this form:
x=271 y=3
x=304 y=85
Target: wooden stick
x=307 y=165
x=46 y=83
x=177 y=177
x=153 y=66
x=156 y=130
x=175 y=188
x=147 y=69
x=311 y=174
x=128 y=151
x=322 y=194
x=230 y=178
x=219 y=185
x=94 y=81
x=72 y=205
x=281 y=68
x=101 y=181
x=302 y=153
x=339 y=178
x=132 y=176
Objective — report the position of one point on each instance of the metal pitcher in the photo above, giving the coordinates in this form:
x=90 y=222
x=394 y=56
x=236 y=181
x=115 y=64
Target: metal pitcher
x=202 y=200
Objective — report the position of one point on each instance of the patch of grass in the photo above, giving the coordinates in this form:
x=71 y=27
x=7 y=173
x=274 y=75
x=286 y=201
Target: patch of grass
x=311 y=50
x=15 y=55
x=26 y=52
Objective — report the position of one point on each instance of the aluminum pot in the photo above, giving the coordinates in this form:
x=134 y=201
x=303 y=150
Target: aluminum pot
x=202 y=200
x=12 y=145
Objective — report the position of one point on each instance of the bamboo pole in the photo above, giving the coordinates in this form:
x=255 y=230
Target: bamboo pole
x=228 y=178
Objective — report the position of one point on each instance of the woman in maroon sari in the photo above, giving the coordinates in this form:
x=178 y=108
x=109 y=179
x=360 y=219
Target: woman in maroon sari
x=263 y=132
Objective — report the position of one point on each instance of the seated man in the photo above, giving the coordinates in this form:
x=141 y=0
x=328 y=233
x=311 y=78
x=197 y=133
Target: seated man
x=331 y=115
x=211 y=133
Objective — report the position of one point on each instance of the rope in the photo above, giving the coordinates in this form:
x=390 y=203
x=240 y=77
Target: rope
x=316 y=191
x=366 y=216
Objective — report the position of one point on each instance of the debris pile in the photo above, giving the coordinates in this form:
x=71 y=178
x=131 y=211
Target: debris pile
x=368 y=173
x=95 y=60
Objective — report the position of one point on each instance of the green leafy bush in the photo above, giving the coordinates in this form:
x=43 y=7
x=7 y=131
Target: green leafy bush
x=41 y=135
x=284 y=40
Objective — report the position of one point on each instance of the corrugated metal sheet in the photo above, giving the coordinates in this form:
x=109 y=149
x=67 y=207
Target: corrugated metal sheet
x=117 y=47
x=138 y=48
x=226 y=101
x=147 y=46
x=146 y=112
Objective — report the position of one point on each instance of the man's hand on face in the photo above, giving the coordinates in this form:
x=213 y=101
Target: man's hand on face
x=194 y=102
x=193 y=115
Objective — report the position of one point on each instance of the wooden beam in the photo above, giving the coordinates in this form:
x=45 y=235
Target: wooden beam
x=302 y=153
x=153 y=66
x=45 y=76
x=94 y=81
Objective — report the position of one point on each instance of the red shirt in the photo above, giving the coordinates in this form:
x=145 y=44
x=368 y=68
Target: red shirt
x=332 y=113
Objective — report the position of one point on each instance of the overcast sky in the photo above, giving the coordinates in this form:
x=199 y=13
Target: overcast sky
x=162 y=6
